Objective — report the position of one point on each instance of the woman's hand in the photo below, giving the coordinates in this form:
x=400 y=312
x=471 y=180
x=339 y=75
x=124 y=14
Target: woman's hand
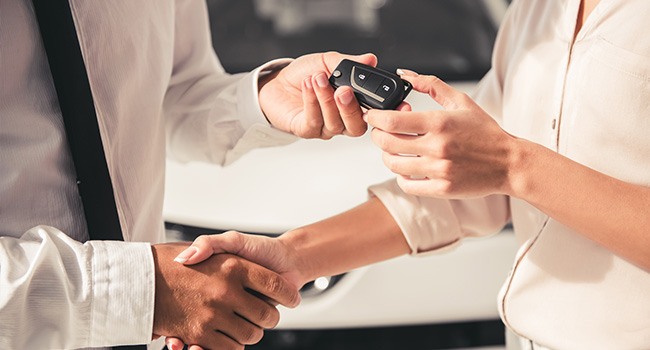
x=269 y=252
x=456 y=152
x=299 y=98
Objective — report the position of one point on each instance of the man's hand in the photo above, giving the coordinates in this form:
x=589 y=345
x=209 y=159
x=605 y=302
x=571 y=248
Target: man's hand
x=224 y=303
x=300 y=100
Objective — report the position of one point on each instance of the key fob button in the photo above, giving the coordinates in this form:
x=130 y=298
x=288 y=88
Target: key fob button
x=385 y=88
x=361 y=77
x=373 y=83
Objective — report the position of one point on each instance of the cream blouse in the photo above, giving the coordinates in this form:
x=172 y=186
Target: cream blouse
x=589 y=101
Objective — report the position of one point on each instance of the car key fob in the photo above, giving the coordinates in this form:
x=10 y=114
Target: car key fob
x=373 y=87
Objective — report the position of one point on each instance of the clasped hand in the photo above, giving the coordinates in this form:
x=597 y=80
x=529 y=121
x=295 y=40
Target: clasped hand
x=223 y=303
x=245 y=323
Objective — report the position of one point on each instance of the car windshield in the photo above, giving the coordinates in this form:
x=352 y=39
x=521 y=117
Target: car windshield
x=449 y=38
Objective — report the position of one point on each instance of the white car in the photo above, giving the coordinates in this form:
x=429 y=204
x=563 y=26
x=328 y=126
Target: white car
x=444 y=300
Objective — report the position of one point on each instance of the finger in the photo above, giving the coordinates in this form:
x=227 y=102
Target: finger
x=350 y=112
x=205 y=246
x=217 y=340
x=404 y=107
x=410 y=166
x=418 y=168
x=239 y=329
x=313 y=119
x=398 y=143
x=271 y=285
x=174 y=343
x=333 y=125
x=194 y=347
x=258 y=311
x=332 y=59
x=441 y=92
x=425 y=187
x=404 y=122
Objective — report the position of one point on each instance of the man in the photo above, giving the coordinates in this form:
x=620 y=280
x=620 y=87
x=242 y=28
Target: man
x=155 y=81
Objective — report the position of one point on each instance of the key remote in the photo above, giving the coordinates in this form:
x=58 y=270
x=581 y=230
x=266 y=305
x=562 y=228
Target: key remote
x=373 y=87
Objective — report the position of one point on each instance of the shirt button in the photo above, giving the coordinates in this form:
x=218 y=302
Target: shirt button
x=553 y=123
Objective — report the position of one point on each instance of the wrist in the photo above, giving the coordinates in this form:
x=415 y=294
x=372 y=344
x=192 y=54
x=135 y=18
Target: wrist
x=520 y=164
x=263 y=88
x=295 y=241
x=265 y=77
x=165 y=270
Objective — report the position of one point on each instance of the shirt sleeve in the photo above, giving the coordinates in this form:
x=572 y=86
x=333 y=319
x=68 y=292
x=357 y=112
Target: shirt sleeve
x=58 y=293
x=430 y=224
x=211 y=115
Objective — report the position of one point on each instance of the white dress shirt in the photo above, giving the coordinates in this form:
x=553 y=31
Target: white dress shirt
x=156 y=81
x=589 y=101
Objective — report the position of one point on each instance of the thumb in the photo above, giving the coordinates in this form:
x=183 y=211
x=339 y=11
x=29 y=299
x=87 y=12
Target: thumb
x=205 y=246
x=441 y=92
x=332 y=59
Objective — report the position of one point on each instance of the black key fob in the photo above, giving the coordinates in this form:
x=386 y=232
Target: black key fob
x=373 y=87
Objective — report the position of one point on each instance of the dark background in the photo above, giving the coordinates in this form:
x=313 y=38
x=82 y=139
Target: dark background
x=449 y=38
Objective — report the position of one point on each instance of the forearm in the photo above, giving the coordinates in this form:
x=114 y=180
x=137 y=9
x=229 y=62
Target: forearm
x=210 y=115
x=363 y=235
x=611 y=212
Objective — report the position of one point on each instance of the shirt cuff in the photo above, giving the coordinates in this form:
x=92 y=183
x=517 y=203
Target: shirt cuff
x=250 y=111
x=429 y=225
x=258 y=132
x=123 y=281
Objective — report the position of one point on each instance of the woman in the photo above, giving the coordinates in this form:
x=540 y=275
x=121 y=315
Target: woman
x=556 y=140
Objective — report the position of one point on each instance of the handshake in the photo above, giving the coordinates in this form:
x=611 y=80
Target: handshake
x=223 y=301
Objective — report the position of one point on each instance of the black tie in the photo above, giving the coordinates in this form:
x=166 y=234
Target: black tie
x=80 y=119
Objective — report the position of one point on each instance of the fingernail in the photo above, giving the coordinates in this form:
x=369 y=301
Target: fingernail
x=365 y=117
x=403 y=71
x=186 y=254
x=321 y=80
x=346 y=97
x=307 y=82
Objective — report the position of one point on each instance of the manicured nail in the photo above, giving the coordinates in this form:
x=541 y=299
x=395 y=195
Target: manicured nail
x=403 y=71
x=186 y=254
x=321 y=80
x=365 y=117
x=307 y=82
x=346 y=97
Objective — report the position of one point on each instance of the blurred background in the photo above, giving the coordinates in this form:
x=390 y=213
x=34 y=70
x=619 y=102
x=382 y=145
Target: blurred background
x=442 y=301
x=451 y=38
